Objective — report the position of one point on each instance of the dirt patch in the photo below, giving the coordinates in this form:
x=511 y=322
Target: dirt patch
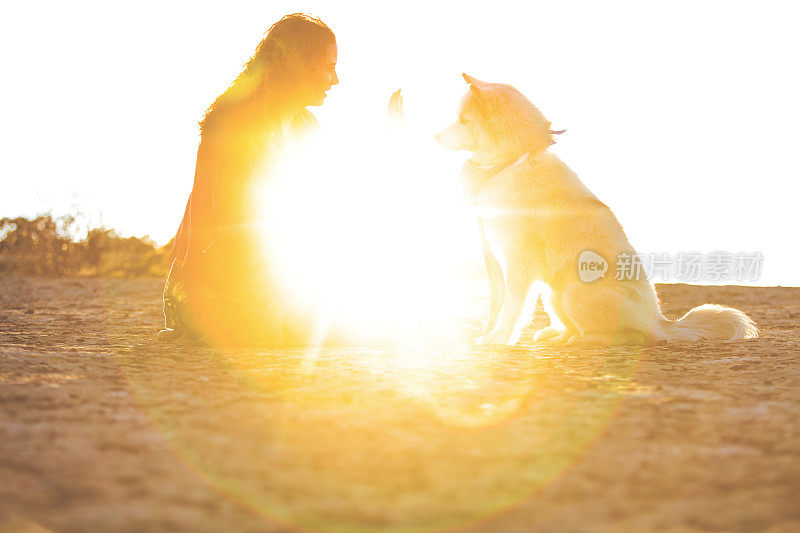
x=102 y=429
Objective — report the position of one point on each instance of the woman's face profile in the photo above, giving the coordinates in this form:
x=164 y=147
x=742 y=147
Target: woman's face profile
x=321 y=77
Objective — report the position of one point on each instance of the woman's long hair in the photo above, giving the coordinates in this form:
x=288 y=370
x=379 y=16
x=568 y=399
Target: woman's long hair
x=277 y=66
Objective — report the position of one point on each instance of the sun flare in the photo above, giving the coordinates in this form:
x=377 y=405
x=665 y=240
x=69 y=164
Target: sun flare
x=368 y=227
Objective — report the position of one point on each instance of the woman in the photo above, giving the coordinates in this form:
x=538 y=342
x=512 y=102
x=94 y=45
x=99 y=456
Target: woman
x=218 y=288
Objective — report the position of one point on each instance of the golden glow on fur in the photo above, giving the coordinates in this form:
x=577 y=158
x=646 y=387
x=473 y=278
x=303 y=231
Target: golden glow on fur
x=538 y=217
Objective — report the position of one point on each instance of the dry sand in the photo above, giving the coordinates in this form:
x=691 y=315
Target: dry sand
x=103 y=429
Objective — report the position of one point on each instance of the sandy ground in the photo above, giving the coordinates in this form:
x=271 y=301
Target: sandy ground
x=103 y=429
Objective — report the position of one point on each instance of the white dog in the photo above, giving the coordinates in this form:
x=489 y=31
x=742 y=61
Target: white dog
x=538 y=219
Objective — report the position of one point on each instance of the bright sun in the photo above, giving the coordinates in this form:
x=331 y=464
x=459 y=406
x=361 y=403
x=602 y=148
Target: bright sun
x=372 y=229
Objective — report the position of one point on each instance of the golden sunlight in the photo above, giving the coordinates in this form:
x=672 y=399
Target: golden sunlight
x=263 y=270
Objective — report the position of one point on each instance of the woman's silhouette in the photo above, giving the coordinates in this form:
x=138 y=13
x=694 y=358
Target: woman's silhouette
x=219 y=287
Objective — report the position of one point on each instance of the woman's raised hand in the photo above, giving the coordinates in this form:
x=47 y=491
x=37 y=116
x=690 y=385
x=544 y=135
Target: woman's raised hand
x=395 y=106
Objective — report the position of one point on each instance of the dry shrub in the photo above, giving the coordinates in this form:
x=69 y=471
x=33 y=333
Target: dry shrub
x=44 y=246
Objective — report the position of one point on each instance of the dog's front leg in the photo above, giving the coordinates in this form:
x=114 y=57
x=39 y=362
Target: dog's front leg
x=497 y=288
x=517 y=283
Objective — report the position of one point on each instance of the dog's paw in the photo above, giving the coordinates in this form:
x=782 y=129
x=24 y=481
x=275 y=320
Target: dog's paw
x=552 y=336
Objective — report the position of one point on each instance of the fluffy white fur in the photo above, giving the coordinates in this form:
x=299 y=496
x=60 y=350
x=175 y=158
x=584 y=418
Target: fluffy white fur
x=538 y=217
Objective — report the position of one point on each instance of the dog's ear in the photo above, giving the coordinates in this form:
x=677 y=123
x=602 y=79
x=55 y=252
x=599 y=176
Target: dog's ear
x=474 y=85
x=473 y=82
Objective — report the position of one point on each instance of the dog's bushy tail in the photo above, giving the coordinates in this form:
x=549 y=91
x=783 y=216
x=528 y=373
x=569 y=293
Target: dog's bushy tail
x=710 y=321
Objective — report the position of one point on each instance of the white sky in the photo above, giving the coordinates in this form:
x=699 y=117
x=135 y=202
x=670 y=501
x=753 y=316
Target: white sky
x=682 y=116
